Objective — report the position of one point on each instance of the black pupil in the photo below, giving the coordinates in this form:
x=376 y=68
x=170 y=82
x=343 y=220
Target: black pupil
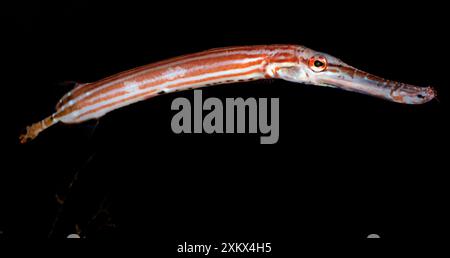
x=318 y=63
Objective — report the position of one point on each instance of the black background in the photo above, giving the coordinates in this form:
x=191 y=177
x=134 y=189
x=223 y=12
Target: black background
x=346 y=165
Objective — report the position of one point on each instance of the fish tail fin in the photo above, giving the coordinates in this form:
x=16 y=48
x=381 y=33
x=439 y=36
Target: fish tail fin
x=36 y=128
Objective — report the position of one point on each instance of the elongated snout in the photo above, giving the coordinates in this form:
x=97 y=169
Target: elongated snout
x=352 y=79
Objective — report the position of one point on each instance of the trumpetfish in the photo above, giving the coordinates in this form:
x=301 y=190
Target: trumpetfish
x=292 y=63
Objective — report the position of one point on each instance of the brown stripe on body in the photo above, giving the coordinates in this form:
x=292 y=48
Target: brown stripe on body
x=151 y=92
x=284 y=60
x=90 y=86
x=140 y=95
x=176 y=59
x=187 y=66
x=106 y=97
x=101 y=95
x=214 y=78
x=151 y=74
x=231 y=67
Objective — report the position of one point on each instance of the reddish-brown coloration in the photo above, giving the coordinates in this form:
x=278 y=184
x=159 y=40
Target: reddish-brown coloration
x=141 y=95
x=217 y=66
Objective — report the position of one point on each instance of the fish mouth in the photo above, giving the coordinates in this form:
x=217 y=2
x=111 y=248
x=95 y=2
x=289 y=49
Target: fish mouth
x=352 y=79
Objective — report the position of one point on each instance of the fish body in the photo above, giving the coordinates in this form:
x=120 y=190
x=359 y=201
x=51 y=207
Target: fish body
x=293 y=63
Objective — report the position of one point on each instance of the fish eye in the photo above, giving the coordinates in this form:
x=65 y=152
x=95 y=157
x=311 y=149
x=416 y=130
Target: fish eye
x=318 y=63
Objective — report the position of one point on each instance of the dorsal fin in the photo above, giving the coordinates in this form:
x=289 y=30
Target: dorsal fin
x=67 y=97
